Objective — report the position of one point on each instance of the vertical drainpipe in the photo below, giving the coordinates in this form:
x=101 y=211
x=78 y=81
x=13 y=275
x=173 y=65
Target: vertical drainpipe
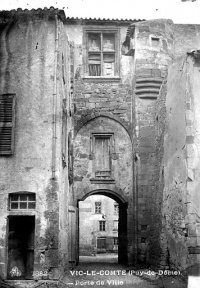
x=55 y=100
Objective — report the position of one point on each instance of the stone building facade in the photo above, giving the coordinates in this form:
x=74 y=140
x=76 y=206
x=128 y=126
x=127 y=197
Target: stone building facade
x=97 y=107
x=98 y=225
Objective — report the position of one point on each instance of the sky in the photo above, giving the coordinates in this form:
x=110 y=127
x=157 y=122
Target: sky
x=180 y=12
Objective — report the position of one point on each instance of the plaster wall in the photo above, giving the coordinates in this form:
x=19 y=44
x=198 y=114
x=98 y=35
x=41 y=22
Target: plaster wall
x=186 y=38
x=27 y=69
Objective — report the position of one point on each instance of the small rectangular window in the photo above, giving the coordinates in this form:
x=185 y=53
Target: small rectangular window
x=22 y=201
x=102 y=225
x=116 y=242
x=115 y=225
x=155 y=42
x=116 y=209
x=97 y=207
x=7 y=123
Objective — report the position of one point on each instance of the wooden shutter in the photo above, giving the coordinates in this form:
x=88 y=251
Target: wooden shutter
x=7 y=123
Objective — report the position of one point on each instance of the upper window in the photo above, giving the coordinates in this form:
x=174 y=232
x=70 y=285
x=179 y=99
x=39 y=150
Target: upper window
x=97 y=207
x=7 y=123
x=102 y=50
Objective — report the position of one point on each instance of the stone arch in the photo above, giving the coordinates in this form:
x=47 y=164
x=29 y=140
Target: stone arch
x=106 y=192
x=89 y=117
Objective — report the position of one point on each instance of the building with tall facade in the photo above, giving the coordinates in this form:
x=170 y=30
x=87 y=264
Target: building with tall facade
x=97 y=107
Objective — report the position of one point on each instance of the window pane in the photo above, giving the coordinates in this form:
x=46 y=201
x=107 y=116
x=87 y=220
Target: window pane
x=14 y=205
x=31 y=197
x=14 y=197
x=94 y=70
x=94 y=42
x=108 y=64
x=23 y=197
x=108 y=42
x=23 y=205
x=94 y=61
x=97 y=207
x=31 y=205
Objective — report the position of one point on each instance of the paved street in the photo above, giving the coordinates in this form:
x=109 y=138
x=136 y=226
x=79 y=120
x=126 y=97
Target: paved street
x=104 y=271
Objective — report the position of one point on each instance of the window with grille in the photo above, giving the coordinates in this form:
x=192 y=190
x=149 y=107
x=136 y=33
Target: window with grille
x=97 y=207
x=22 y=201
x=102 y=225
x=102 y=51
x=7 y=123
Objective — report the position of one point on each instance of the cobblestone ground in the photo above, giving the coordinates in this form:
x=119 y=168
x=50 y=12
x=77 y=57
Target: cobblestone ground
x=103 y=271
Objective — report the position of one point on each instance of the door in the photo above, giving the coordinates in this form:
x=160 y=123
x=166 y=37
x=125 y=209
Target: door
x=101 y=245
x=21 y=235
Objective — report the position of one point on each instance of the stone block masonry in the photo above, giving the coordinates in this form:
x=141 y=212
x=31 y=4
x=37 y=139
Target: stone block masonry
x=113 y=98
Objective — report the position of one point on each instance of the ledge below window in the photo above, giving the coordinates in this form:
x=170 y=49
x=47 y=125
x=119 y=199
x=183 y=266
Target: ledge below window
x=102 y=181
x=101 y=79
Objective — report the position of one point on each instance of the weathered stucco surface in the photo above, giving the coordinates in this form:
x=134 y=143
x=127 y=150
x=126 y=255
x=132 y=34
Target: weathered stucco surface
x=27 y=69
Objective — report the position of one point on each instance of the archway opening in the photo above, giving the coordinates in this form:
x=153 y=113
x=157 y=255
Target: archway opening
x=102 y=228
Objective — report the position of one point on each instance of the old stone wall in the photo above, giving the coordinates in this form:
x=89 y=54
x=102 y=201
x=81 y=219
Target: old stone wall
x=103 y=105
x=191 y=223
x=112 y=96
x=153 y=53
x=175 y=165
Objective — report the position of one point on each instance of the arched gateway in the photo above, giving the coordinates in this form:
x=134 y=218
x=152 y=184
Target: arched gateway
x=122 y=220
x=103 y=165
